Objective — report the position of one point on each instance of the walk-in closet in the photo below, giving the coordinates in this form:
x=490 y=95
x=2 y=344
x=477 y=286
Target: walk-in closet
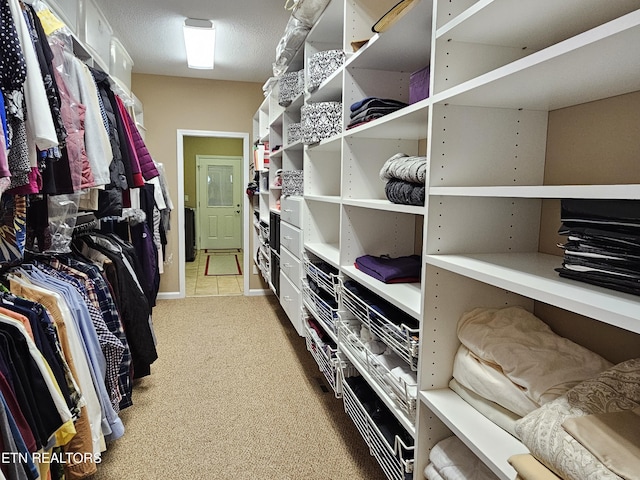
x=370 y=239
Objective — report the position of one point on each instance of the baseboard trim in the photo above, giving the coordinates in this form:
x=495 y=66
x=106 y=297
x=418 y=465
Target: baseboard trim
x=169 y=296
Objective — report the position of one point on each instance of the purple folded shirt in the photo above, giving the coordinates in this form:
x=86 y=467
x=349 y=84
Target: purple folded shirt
x=391 y=270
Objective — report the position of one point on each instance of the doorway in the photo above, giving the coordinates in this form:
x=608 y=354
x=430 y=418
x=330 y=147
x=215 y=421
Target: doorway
x=187 y=197
x=219 y=196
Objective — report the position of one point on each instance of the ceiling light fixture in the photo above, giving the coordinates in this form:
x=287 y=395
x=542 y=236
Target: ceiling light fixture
x=199 y=41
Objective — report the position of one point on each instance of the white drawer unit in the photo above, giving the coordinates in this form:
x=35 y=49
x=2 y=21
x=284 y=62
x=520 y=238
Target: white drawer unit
x=291 y=210
x=291 y=301
x=291 y=239
x=291 y=266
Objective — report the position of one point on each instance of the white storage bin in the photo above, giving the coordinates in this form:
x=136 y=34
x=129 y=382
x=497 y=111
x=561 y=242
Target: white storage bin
x=120 y=64
x=67 y=11
x=320 y=120
x=322 y=65
x=95 y=32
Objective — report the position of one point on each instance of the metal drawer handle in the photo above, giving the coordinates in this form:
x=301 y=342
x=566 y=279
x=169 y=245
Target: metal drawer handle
x=288 y=210
x=287 y=298
x=287 y=237
x=286 y=265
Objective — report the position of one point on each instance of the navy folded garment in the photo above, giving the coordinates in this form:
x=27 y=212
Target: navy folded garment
x=391 y=270
x=370 y=102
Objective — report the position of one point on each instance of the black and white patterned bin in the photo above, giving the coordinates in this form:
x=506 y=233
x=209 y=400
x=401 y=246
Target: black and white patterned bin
x=292 y=182
x=322 y=65
x=290 y=85
x=294 y=133
x=320 y=120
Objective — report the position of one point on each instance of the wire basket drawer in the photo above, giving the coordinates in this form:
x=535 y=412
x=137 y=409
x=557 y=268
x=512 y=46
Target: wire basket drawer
x=394 y=454
x=403 y=392
x=400 y=337
x=317 y=272
x=320 y=308
x=328 y=359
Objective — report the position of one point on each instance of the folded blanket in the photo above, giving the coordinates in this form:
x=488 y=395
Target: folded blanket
x=543 y=364
x=615 y=390
x=401 y=166
x=405 y=193
x=391 y=270
x=490 y=382
x=453 y=460
x=499 y=415
x=430 y=473
x=529 y=468
x=614 y=439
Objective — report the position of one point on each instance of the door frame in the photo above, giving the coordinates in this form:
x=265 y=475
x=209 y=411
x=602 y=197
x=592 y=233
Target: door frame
x=199 y=158
x=180 y=201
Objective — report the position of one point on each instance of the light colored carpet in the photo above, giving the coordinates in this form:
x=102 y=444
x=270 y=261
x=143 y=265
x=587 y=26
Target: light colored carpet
x=234 y=395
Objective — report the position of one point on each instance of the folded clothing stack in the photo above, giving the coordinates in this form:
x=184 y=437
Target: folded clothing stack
x=391 y=270
x=450 y=459
x=603 y=246
x=370 y=108
x=405 y=176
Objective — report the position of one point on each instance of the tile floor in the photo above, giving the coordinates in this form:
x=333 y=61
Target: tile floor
x=199 y=285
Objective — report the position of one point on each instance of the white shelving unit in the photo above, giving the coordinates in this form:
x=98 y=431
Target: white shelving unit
x=513 y=84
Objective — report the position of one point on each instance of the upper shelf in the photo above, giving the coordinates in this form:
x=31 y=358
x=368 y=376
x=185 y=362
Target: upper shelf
x=388 y=50
x=533 y=275
x=593 y=65
x=530 y=24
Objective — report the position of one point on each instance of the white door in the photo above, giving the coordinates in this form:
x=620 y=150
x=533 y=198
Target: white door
x=219 y=202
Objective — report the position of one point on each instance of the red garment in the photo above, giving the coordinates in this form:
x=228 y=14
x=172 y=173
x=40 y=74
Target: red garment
x=142 y=165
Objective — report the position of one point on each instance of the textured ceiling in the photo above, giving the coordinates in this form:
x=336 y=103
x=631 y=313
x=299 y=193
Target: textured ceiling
x=247 y=32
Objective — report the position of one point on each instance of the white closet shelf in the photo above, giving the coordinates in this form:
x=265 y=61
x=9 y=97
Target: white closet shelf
x=408 y=123
x=381 y=392
x=489 y=442
x=388 y=50
x=323 y=198
x=533 y=24
x=406 y=296
x=631 y=191
x=328 y=28
x=377 y=204
x=294 y=147
x=330 y=90
x=327 y=145
x=533 y=275
x=600 y=61
x=330 y=253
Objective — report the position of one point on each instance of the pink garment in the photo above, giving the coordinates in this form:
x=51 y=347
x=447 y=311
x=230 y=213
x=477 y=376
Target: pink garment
x=4 y=158
x=33 y=186
x=72 y=113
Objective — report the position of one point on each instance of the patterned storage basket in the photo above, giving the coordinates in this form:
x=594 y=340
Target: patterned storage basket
x=323 y=64
x=292 y=182
x=290 y=86
x=294 y=133
x=320 y=120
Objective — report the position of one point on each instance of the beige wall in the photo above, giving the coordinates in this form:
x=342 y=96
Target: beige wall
x=194 y=146
x=171 y=104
